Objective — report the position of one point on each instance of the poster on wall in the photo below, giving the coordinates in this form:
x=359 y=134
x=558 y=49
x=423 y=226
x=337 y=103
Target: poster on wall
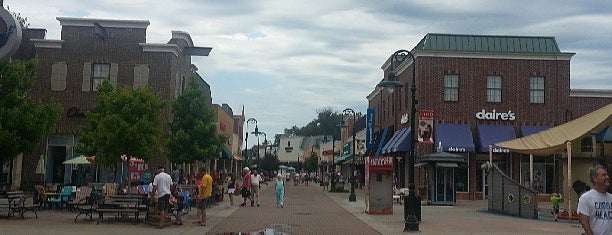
x=425 y=126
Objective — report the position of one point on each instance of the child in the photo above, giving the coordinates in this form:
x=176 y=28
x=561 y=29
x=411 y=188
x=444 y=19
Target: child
x=555 y=203
x=180 y=206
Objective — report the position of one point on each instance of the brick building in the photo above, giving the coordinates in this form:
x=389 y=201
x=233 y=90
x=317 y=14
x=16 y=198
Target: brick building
x=481 y=90
x=89 y=51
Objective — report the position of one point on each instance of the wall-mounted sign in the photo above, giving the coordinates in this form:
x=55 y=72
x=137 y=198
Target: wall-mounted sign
x=494 y=115
x=380 y=163
x=10 y=34
x=425 y=126
x=370 y=128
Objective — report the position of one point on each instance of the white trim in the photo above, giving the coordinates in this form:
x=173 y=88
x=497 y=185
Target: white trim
x=47 y=43
x=160 y=47
x=111 y=23
x=183 y=35
x=591 y=93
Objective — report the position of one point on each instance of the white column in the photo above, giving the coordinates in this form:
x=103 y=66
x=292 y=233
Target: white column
x=569 y=179
x=531 y=171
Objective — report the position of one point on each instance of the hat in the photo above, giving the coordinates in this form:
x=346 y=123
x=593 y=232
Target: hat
x=245 y=168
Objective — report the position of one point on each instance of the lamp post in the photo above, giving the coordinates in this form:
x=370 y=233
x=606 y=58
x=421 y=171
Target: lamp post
x=352 y=196
x=411 y=204
x=257 y=133
x=246 y=136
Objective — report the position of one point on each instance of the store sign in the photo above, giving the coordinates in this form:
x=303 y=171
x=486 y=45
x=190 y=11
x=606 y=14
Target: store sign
x=380 y=163
x=494 y=115
x=456 y=149
x=425 y=126
x=370 y=139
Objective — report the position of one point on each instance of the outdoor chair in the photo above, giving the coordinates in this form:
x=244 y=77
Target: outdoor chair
x=63 y=197
x=82 y=193
x=88 y=206
x=110 y=189
x=42 y=195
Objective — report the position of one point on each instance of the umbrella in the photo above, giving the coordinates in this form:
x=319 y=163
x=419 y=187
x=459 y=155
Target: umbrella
x=291 y=168
x=78 y=160
x=40 y=168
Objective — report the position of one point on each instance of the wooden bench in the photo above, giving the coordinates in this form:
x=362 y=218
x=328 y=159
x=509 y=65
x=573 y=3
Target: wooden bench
x=120 y=205
x=15 y=202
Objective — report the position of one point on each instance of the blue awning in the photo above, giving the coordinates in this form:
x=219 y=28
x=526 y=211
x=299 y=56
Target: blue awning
x=382 y=141
x=400 y=142
x=489 y=135
x=530 y=130
x=454 y=137
x=605 y=135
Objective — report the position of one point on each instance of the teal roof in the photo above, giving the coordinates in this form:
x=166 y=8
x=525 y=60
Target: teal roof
x=488 y=43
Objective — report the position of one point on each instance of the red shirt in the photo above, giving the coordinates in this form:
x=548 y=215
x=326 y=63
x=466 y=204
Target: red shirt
x=246 y=181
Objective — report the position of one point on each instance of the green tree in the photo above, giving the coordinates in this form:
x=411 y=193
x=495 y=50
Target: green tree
x=23 y=122
x=193 y=131
x=269 y=163
x=311 y=163
x=124 y=121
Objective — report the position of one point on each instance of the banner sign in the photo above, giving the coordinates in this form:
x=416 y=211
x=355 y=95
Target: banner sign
x=370 y=129
x=425 y=126
x=137 y=167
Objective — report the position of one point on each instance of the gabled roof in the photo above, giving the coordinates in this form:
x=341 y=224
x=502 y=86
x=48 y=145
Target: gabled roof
x=488 y=43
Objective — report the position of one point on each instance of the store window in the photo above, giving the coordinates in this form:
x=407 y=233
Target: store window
x=451 y=87
x=586 y=145
x=461 y=179
x=494 y=89
x=536 y=90
x=100 y=73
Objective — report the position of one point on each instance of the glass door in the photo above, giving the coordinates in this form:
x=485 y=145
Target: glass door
x=445 y=178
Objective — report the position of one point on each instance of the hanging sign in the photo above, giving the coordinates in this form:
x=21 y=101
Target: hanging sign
x=425 y=126
x=370 y=129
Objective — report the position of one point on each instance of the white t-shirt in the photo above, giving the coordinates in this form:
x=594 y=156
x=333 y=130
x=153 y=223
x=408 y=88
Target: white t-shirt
x=163 y=182
x=598 y=207
x=255 y=179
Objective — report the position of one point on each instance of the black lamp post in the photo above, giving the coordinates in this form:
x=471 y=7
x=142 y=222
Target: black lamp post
x=352 y=196
x=411 y=204
x=257 y=133
x=246 y=136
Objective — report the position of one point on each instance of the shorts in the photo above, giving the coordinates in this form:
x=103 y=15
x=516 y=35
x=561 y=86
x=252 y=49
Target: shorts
x=254 y=189
x=231 y=190
x=203 y=203
x=163 y=203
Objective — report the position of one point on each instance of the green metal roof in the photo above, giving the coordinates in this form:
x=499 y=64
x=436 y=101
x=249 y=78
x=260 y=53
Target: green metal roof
x=488 y=43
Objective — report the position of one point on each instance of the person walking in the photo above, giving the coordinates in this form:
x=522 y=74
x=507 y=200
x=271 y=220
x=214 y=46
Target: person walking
x=205 y=192
x=255 y=181
x=325 y=182
x=555 y=199
x=280 y=191
x=230 y=180
x=595 y=206
x=246 y=186
x=161 y=191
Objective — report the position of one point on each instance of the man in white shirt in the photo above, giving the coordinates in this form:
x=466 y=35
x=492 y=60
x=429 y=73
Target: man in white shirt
x=255 y=180
x=595 y=206
x=161 y=193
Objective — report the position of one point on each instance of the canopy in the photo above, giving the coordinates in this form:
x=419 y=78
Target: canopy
x=554 y=139
x=382 y=141
x=454 y=137
x=491 y=134
x=343 y=158
x=605 y=135
x=400 y=142
x=78 y=160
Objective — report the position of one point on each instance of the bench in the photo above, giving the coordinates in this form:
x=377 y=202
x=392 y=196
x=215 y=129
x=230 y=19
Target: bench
x=15 y=202
x=120 y=205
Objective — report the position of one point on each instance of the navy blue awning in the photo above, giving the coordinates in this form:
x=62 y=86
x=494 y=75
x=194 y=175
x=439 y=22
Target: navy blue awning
x=489 y=135
x=454 y=137
x=382 y=141
x=400 y=142
x=530 y=130
x=605 y=135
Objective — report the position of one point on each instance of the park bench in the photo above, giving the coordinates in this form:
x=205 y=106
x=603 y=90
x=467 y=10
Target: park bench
x=15 y=203
x=120 y=206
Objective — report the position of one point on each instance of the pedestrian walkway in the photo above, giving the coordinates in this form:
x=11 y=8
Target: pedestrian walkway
x=308 y=210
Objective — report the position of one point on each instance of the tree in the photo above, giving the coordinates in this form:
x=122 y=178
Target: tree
x=124 y=122
x=311 y=163
x=23 y=122
x=269 y=163
x=324 y=124
x=193 y=131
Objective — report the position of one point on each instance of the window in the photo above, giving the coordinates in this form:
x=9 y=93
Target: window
x=586 y=145
x=494 y=89
x=451 y=87
x=100 y=72
x=536 y=90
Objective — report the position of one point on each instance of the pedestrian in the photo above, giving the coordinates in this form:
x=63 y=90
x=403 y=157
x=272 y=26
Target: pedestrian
x=280 y=191
x=554 y=199
x=175 y=176
x=359 y=180
x=246 y=186
x=595 y=206
x=205 y=192
x=161 y=191
x=255 y=181
x=230 y=180
x=181 y=177
x=179 y=204
x=326 y=182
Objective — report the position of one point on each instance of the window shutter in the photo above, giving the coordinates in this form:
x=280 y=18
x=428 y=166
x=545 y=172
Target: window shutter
x=141 y=75
x=114 y=69
x=58 y=76
x=86 y=77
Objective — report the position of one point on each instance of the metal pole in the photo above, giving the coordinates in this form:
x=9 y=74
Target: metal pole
x=411 y=204
x=352 y=196
x=333 y=175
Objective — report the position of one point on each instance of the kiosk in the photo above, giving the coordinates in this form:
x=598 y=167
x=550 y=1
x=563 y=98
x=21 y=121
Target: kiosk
x=441 y=169
x=379 y=185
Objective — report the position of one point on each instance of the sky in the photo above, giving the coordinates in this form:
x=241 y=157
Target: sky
x=285 y=60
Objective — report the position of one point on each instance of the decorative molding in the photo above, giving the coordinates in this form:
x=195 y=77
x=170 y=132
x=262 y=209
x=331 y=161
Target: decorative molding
x=47 y=43
x=184 y=36
x=89 y=22
x=160 y=47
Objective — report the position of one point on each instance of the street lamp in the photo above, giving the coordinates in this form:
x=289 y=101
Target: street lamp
x=411 y=205
x=257 y=133
x=246 y=136
x=352 y=196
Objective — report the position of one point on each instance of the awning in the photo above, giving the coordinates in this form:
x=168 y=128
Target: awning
x=447 y=164
x=343 y=158
x=226 y=154
x=605 y=135
x=530 y=130
x=489 y=135
x=454 y=137
x=400 y=142
x=555 y=139
x=382 y=141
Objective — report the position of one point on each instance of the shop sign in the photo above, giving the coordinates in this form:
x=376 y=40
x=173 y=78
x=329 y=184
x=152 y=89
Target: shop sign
x=456 y=149
x=380 y=163
x=370 y=129
x=494 y=115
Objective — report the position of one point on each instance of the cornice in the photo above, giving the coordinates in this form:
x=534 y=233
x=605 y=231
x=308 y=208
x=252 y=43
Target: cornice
x=47 y=43
x=111 y=23
x=160 y=47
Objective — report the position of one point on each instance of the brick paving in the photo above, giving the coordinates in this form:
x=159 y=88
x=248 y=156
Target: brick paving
x=308 y=210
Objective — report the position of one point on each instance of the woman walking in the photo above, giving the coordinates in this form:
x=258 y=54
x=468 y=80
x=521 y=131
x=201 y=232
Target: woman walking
x=280 y=191
x=231 y=187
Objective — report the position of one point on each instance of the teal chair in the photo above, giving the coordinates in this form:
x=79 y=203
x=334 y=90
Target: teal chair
x=62 y=198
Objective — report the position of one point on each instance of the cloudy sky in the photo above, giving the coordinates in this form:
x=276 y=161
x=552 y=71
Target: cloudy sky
x=284 y=60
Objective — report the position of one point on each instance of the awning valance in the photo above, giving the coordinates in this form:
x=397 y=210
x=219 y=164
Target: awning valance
x=554 y=140
x=454 y=137
x=400 y=142
x=490 y=134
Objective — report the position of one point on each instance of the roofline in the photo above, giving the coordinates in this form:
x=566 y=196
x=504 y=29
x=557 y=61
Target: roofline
x=591 y=93
x=111 y=23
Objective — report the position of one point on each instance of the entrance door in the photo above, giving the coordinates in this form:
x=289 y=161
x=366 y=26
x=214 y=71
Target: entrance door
x=445 y=183
x=57 y=156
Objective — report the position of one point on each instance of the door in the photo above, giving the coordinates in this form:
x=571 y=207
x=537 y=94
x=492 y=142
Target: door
x=57 y=158
x=445 y=184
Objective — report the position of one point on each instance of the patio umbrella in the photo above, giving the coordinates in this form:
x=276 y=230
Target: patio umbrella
x=80 y=160
x=40 y=167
